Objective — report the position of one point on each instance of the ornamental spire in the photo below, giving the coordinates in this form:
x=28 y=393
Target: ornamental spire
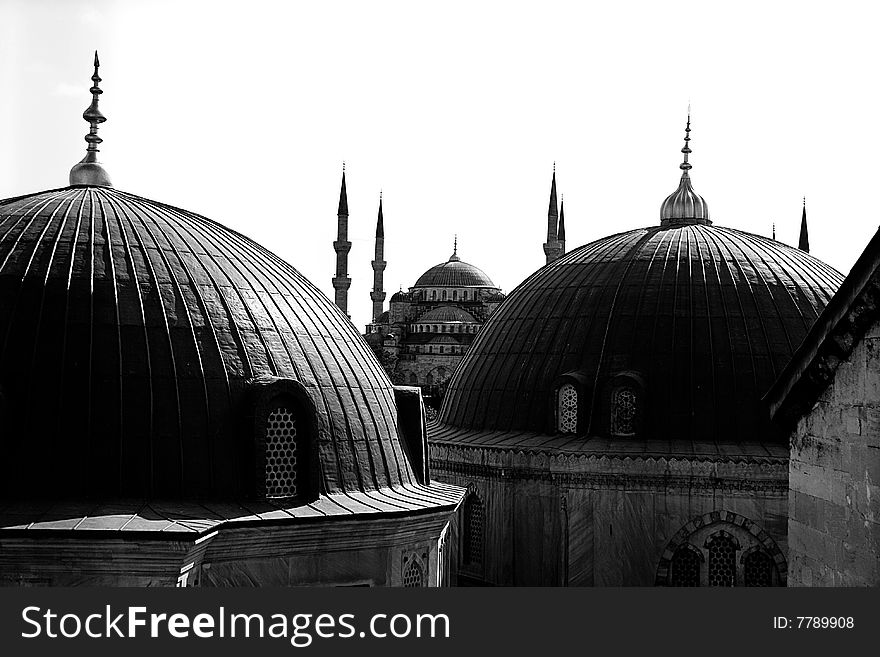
x=89 y=171
x=684 y=205
x=454 y=257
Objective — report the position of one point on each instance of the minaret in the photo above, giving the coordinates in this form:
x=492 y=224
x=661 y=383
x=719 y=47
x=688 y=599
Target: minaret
x=551 y=246
x=378 y=294
x=341 y=282
x=804 y=241
x=560 y=233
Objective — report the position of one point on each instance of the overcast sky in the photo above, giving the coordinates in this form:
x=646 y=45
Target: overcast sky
x=244 y=112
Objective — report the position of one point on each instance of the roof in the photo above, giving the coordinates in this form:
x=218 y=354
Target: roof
x=131 y=333
x=167 y=519
x=454 y=273
x=703 y=317
x=841 y=326
x=446 y=314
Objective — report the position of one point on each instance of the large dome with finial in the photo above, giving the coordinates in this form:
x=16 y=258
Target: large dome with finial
x=685 y=324
x=133 y=337
x=454 y=273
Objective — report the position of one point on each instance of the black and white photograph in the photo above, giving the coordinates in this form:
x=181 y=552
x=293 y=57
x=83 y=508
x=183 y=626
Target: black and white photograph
x=417 y=295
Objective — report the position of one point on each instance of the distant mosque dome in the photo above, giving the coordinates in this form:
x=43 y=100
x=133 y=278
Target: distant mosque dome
x=446 y=314
x=671 y=332
x=454 y=273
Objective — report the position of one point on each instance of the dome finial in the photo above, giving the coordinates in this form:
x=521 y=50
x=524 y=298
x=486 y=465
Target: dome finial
x=687 y=137
x=684 y=205
x=88 y=171
x=454 y=257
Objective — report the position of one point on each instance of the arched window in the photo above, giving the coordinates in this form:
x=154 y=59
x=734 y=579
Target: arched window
x=464 y=296
x=566 y=411
x=413 y=574
x=429 y=380
x=758 y=569
x=455 y=295
x=281 y=452
x=685 y=567
x=624 y=406
x=433 y=295
x=413 y=379
x=473 y=531
x=722 y=559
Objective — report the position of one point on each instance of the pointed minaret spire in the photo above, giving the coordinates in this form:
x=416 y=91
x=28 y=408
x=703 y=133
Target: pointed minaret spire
x=551 y=246
x=379 y=264
x=89 y=171
x=560 y=232
x=804 y=240
x=341 y=282
x=774 y=230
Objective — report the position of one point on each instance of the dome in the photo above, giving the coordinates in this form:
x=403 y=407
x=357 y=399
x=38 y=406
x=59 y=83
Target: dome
x=133 y=334
x=454 y=273
x=702 y=317
x=447 y=314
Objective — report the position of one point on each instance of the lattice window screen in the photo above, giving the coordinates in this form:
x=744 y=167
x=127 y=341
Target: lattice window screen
x=473 y=531
x=758 y=569
x=281 y=453
x=567 y=411
x=685 y=568
x=413 y=574
x=722 y=560
x=623 y=411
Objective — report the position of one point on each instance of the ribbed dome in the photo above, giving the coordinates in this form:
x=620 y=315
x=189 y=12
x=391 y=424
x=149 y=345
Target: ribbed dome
x=706 y=317
x=130 y=332
x=454 y=273
x=684 y=205
x=447 y=314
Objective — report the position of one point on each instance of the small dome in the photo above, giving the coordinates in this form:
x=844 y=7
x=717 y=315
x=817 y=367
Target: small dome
x=399 y=297
x=684 y=205
x=446 y=314
x=705 y=316
x=134 y=333
x=454 y=273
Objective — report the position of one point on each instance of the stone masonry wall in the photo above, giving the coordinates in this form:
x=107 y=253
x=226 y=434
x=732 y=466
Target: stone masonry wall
x=834 y=478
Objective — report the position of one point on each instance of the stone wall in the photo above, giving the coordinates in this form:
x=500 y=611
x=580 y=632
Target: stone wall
x=569 y=520
x=834 y=505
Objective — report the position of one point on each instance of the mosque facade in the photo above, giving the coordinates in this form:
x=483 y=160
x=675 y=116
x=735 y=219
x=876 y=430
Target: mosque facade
x=179 y=406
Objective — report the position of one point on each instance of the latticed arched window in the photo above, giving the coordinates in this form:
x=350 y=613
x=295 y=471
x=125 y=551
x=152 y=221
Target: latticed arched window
x=722 y=559
x=624 y=406
x=473 y=531
x=429 y=380
x=413 y=379
x=685 y=567
x=464 y=296
x=455 y=295
x=567 y=406
x=281 y=453
x=413 y=574
x=758 y=569
x=444 y=295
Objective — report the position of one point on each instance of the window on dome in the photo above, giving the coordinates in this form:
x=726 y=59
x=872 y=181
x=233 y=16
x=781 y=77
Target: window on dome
x=567 y=405
x=444 y=295
x=624 y=406
x=473 y=531
x=722 y=559
x=281 y=452
x=464 y=296
x=455 y=295
x=758 y=569
x=433 y=295
x=685 y=566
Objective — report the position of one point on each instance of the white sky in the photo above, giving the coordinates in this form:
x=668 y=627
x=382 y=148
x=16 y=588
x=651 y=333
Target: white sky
x=245 y=111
